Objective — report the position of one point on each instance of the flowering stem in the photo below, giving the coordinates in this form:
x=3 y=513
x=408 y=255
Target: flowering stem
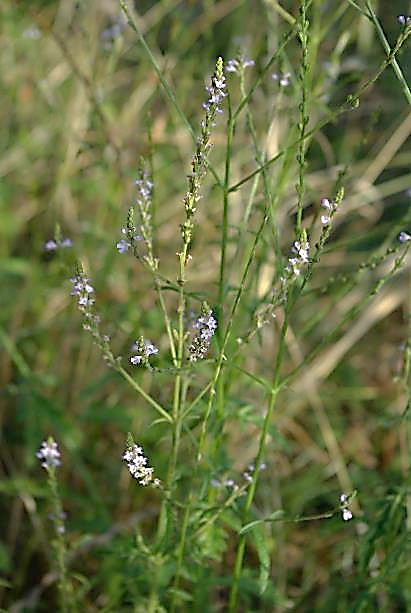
x=64 y=586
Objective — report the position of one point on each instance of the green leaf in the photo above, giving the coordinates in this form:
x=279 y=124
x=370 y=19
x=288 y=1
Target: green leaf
x=260 y=542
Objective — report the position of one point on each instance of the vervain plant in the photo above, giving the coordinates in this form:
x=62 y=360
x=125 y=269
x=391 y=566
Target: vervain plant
x=276 y=303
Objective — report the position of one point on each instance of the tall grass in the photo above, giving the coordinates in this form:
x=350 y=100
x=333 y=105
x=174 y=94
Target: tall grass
x=238 y=257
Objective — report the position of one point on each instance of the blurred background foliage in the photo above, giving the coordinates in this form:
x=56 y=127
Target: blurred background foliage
x=80 y=104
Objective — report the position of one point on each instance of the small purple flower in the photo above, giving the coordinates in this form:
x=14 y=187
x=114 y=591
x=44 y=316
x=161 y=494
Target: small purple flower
x=113 y=31
x=123 y=246
x=83 y=290
x=238 y=64
x=216 y=92
x=53 y=245
x=206 y=324
x=49 y=454
x=144 y=185
x=231 y=66
x=66 y=243
x=404 y=237
x=144 y=349
x=204 y=328
x=50 y=245
x=32 y=33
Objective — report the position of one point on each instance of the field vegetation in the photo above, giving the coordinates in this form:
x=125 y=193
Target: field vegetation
x=205 y=306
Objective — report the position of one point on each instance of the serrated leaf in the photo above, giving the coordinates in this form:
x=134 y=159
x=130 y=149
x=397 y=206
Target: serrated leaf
x=260 y=542
x=181 y=594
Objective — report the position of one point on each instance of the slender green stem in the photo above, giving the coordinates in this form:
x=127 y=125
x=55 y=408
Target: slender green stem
x=167 y=320
x=176 y=420
x=64 y=585
x=391 y=52
x=347 y=106
x=144 y=394
x=221 y=357
x=267 y=67
x=260 y=156
x=180 y=551
x=304 y=117
x=224 y=228
x=134 y=25
x=275 y=388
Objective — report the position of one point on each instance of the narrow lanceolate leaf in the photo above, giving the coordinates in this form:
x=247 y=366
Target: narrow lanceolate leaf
x=275 y=516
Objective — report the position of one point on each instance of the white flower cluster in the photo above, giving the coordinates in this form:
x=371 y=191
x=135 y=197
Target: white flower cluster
x=49 y=454
x=216 y=92
x=248 y=474
x=301 y=256
x=346 y=512
x=204 y=327
x=238 y=64
x=144 y=191
x=137 y=464
x=330 y=208
x=282 y=78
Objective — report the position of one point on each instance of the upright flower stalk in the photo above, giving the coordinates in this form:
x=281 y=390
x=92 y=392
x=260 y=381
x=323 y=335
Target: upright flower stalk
x=304 y=75
x=216 y=93
x=135 y=240
x=50 y=457
x=84 y=292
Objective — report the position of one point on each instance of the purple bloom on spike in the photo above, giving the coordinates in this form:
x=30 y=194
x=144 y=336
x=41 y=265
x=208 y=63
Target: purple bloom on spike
x=83 y=290
x=144 y=349
x=49 y=454
x=50 y=245
x=204 y=328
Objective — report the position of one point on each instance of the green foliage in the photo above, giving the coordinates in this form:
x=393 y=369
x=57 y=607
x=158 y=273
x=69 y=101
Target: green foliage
x=261 y=293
